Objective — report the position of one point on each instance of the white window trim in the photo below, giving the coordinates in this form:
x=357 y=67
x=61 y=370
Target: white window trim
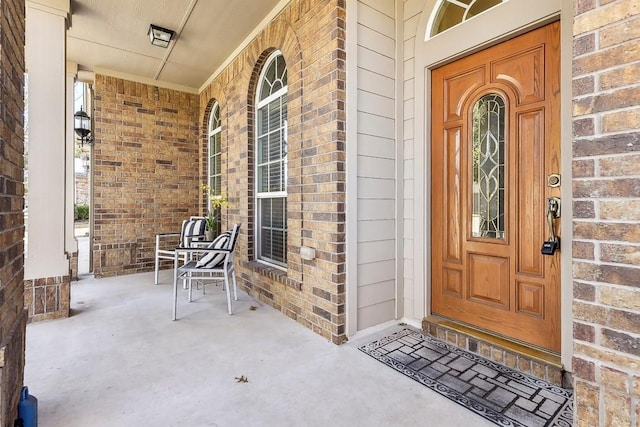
x=272 y=97
x=266 y=195
x=436 y=10
x=212 y=132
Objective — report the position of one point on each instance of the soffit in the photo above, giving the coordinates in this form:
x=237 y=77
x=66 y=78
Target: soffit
x=110 y=36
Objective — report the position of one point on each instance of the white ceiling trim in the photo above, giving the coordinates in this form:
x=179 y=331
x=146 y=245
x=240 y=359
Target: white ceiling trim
x=61 y=8
x=148 y=81
x=185 y=18
x=268 y=18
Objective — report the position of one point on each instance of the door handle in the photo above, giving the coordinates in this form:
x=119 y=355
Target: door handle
x=553 y=212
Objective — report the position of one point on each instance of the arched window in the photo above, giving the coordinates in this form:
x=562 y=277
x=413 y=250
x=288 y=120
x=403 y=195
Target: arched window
x=450 y=13
x=214 y=165
x=271 y=162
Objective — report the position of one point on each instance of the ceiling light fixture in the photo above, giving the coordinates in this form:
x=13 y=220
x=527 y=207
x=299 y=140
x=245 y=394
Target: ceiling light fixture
x=160 y=36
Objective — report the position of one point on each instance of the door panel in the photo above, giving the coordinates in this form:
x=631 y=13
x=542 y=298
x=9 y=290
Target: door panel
x=458 y=88
x=531 y=182
x=495 y=138
x=530 y=298
x=453 y=207
x=453 y=282
x=489 y=280
x=523 y=71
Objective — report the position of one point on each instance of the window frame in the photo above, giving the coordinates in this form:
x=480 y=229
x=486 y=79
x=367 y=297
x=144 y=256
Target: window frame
x=271 y=195
x=438 y=14
x=213 y=175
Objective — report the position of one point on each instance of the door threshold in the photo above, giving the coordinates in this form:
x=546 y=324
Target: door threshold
x=516 y=355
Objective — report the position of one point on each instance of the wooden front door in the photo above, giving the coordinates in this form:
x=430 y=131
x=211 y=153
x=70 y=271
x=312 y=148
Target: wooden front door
x=495 y=142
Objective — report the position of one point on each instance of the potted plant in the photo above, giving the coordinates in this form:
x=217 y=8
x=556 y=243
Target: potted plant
x=217 y=201
x=212 y=226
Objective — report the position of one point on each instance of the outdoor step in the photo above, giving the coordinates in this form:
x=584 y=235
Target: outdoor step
x=532 y=361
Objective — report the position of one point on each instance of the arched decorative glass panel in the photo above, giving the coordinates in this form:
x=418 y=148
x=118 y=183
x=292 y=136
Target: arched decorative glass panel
x=215 y=150
x=271 y=162
x=452 y=12
x=488 y=157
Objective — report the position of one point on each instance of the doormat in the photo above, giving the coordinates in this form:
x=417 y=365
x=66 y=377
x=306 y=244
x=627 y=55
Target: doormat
x=495 y=392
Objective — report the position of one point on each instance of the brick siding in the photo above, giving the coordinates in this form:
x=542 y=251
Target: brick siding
x=606 y=190
x=13 y=317
x=311 y=37
x=146 y=171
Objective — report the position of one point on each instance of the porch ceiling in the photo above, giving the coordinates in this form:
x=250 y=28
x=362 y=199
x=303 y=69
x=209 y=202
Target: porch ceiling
x=111 y=36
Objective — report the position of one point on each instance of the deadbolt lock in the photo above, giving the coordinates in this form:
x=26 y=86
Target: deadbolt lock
x=553 y=180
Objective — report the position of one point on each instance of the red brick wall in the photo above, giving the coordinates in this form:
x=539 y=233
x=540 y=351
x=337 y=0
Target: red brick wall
x=311 y=37
x=149 y=163
x=606 y=190
x=13 y=317
x=146 y=158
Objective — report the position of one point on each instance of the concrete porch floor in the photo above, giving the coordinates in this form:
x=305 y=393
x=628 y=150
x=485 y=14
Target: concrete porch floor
x=119 y=360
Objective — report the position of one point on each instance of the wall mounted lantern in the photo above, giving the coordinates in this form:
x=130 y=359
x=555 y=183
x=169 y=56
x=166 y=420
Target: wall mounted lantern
x=82 y=126
x=160 y=36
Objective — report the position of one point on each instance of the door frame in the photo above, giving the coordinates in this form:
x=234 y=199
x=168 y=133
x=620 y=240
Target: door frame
x=489 y=28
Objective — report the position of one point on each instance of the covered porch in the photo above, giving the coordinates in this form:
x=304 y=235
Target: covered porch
x=120 y=360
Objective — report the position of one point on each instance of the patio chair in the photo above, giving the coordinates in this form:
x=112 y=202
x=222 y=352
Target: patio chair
x=192 y=230
x=212 y=263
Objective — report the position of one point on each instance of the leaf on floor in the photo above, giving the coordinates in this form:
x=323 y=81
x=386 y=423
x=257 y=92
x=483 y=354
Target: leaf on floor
x=253 y=308
x=242 y=379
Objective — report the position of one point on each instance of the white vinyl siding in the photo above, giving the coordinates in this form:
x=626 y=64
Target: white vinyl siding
x=376 y=163
x=375 y=314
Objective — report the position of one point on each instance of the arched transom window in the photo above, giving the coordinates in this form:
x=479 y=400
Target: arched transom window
x=271 y=162
x=450 y=13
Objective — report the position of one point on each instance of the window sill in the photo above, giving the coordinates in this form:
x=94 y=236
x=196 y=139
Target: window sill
x=274 y=273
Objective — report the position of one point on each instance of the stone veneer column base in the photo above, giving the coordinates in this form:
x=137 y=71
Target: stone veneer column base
x=47 y=298
x=73 y=267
